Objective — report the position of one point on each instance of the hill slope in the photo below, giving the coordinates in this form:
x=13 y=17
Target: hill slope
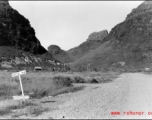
x=129 y=42
x=59 y=54
x=94 y=40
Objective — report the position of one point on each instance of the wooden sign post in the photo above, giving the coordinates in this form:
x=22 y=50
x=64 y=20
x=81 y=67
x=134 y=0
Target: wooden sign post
x=19 y=75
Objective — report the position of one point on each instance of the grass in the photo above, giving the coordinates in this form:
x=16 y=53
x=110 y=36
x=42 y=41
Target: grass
x=7 y=89
x=5 y=106
x=23 y=108
x=38 y=85
x=8 y=106
x=45 y=86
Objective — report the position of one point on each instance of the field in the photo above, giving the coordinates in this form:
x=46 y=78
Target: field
x=43 y=84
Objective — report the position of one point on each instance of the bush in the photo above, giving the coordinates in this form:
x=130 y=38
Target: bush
x=39 y=93
x=78 y=79
x=91 y=80
x=100 y=79
x=105 y=80
x=94 y=80
x=62 y=81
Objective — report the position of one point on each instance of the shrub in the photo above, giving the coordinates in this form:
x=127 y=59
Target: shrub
x=62 y=81
x=39 y=93
x=94 y=80
x=78 y=79
x=105 y=80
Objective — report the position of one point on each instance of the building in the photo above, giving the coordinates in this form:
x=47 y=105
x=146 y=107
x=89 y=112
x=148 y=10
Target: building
x=38 y=68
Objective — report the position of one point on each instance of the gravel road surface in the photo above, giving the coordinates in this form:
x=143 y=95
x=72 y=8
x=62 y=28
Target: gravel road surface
x=129 y=96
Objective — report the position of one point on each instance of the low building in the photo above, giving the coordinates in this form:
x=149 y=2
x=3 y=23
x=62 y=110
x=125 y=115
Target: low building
x=38 y=68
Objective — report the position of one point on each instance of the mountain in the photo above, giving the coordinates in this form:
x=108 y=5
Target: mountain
x=18 y=43
x=16 y=31
x=94 y=41
x=59 y=54
x=129 y=42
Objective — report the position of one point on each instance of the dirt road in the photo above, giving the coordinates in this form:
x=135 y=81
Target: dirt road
x=139 y=98
x=130 y=96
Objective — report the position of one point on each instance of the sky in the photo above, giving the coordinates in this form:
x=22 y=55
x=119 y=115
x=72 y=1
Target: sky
x=69 y=23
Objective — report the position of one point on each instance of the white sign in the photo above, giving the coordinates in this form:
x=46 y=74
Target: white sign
x=20 y=97
x=19 y=73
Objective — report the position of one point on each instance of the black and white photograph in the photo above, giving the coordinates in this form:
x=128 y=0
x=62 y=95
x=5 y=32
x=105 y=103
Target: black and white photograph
x=75 y=59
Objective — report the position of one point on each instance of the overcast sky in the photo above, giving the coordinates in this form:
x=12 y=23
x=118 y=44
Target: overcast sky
x=69 y=23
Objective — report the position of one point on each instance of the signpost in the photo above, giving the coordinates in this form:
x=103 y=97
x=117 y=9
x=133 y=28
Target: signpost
x=19 y=75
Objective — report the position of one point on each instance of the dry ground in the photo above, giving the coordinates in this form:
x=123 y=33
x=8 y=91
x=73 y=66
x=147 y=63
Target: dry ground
x=131 y=92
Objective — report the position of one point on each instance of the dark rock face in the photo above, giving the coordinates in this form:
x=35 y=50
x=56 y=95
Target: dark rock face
x=129 y=41
x=94 y=41
x=18 y=43
x=98 y=35
x=59 y=54
x=16 y=31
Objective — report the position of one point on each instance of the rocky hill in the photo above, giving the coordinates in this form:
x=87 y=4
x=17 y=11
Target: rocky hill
x=18 y=43
x=94 y=41
x=129 y=42
x=98 y=35
x=59 y=54
x=16 y=31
